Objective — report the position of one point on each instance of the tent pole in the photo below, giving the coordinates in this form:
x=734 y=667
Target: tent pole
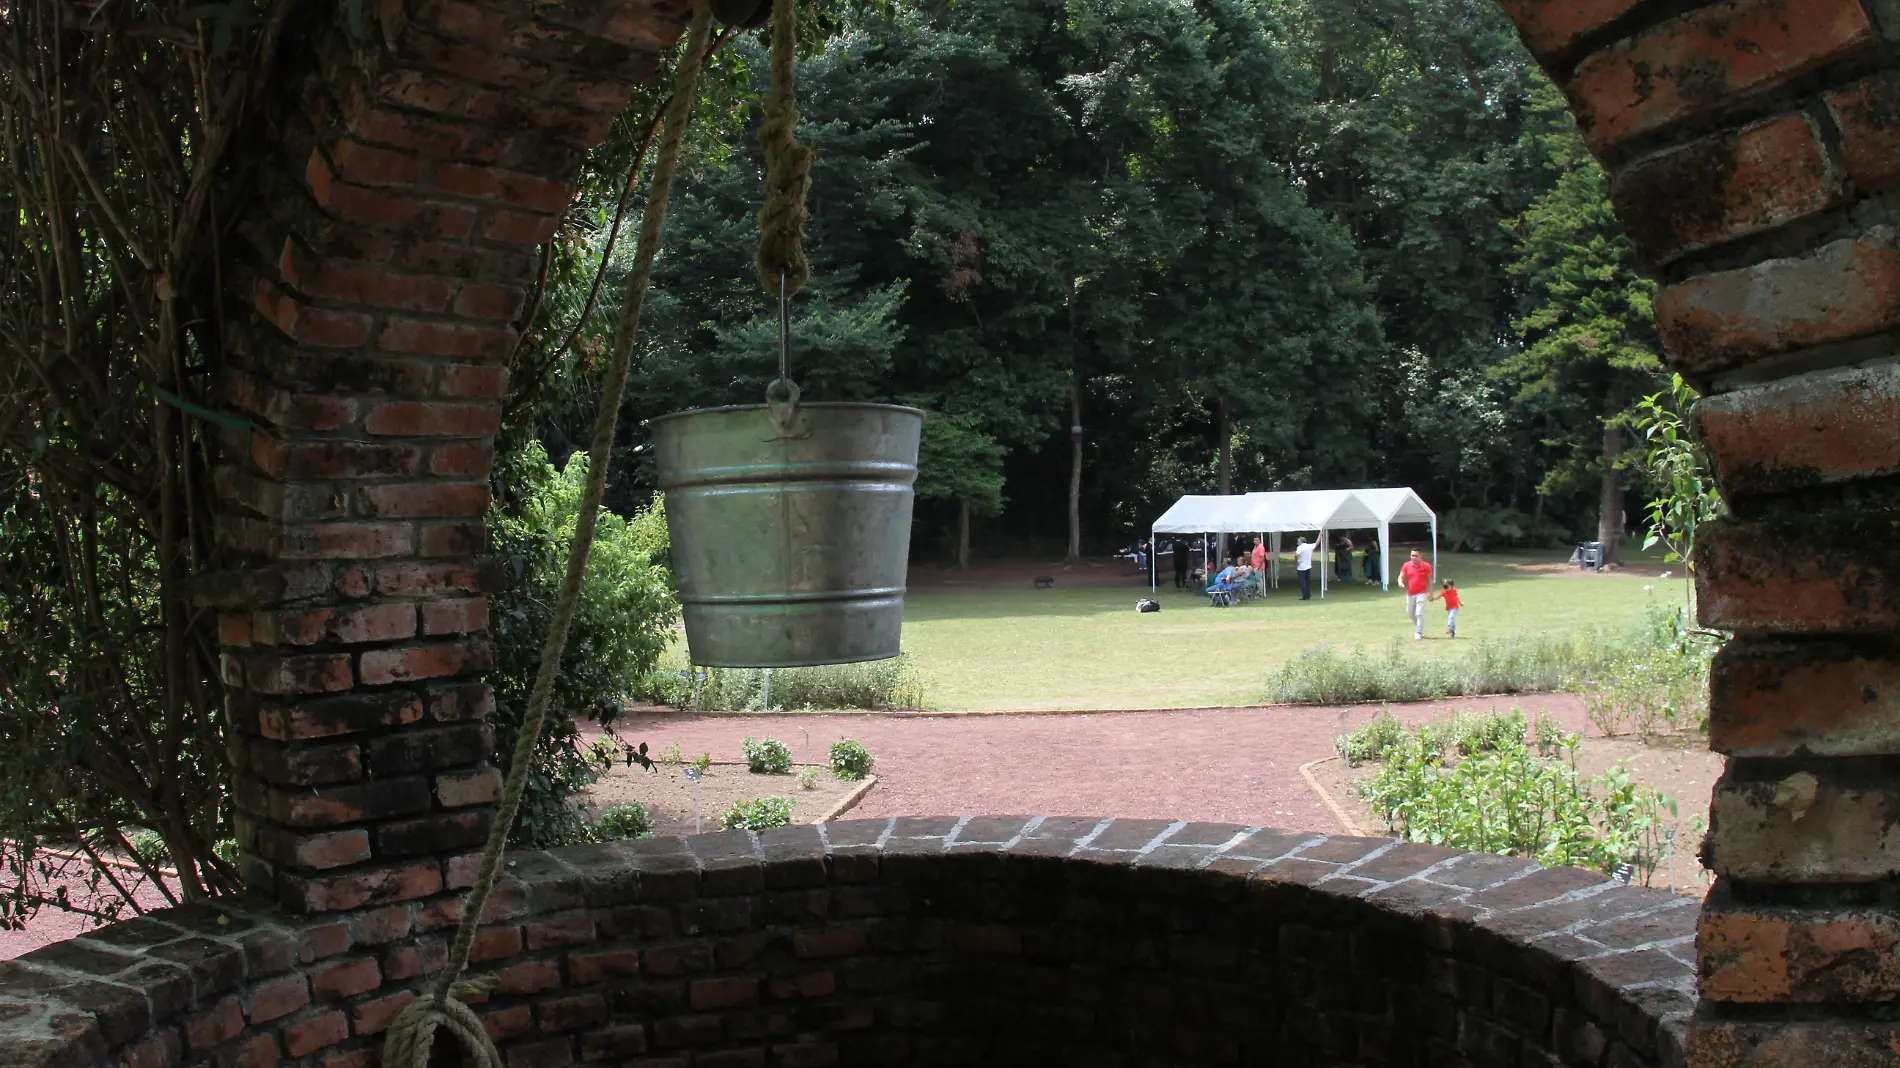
x=1385 y=556
x=1154 y=547
x=1434 y=545
x=1322 y=563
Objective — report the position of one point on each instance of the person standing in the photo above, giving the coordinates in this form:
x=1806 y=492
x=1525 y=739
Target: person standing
x=1180 y=564
x=1260 y=563
x=1303 y=563
x=1416 y=577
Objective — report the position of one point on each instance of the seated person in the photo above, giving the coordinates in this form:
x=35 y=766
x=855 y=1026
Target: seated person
x=1224 y=581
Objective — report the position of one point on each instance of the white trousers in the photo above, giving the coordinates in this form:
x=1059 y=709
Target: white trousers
x=1415 y=611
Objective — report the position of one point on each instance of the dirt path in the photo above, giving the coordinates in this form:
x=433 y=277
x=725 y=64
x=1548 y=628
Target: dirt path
x=1236 y=765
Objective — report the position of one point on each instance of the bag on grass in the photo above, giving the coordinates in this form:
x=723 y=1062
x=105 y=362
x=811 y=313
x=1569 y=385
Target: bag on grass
x=1146 y=605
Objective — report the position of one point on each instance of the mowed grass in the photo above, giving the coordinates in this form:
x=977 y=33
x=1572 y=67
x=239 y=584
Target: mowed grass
x=1017 y=647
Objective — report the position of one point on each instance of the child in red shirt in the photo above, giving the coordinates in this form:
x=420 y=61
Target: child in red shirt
x=1448 y=590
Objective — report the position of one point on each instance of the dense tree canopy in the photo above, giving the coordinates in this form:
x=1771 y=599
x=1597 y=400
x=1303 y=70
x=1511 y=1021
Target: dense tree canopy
x=1242 y=244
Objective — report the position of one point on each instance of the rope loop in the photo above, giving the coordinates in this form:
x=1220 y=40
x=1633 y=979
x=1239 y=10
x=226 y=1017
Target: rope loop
x=787 y=164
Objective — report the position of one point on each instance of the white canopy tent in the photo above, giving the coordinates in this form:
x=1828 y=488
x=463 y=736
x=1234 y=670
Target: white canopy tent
x=1272 y=514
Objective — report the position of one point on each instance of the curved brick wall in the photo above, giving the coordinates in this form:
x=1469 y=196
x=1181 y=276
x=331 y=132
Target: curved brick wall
x=919 y=941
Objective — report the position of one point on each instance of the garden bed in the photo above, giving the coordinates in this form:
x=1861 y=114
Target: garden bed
x=1680 y=767
x=668 y=794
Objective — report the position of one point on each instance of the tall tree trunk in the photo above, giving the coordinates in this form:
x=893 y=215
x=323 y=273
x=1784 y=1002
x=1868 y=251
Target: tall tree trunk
x=1225 y=475
x=1610 y=502
x=963 y=534
x=1075 y=472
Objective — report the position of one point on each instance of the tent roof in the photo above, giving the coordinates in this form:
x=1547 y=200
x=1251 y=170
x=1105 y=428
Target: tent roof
x=1292 y=510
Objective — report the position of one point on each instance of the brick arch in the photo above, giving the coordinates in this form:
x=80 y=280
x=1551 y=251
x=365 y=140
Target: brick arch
x=1755 y=151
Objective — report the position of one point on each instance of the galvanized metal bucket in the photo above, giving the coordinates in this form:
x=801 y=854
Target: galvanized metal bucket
x=790 y=526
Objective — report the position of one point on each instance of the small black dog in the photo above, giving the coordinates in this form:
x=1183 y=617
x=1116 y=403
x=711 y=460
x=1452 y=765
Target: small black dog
x=1043 y=582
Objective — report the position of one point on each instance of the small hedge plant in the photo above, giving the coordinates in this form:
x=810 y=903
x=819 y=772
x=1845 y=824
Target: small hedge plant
x=628 y=819
x=767 y=756
x=757 y=815
x=850 y=760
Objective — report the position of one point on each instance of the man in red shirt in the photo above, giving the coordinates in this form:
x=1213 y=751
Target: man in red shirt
x=1416 y=577
x=1260 y=563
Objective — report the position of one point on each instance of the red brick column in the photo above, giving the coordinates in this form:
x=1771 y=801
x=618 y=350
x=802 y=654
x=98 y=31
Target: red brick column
x=1755 y=146
x=399 y=216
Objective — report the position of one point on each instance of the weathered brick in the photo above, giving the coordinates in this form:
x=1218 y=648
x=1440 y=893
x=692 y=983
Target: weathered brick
x=461 y=829
x=378 y=926
x=464 y=458
x=527 y=192
x=364 y=164
x=325 y=1028
x=1868 y=115
x=214 y=1026
x=1843 y=290
x=724 y=993
x=518 y=228
x=1821 y=428
x=1720 y=188
x=337 y=459
x=331 y=716
x=426 y=749
x=364 y=623
x=507 y=1023
x=316 y=852
x=496 y=943
x=585 y=969
x=422 y=500
x=453 y=538
x=1823 y=573
x=407 y=663
x=347 y=541
x=275 y=673
x=337 y=979
x=829 y=941
x=571 y=1013
x=461 y=340
x=1551 y=26
x=573 y=929
x=350 y=803
x=271 y=998
x=374 y=1016
x=405 y=418
x=1725 y=1043
x=1705 y=58
x=361 y=284
x=463 y=615
x=480 y=301
x=1795 y=698
x=458 y=788
x=475 y=381
x=1803 y=827
x=1759 y=954
x=306 y=325
x=529 y=977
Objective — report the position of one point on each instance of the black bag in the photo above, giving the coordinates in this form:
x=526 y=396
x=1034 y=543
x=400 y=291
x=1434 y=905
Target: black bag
x=1146 y=605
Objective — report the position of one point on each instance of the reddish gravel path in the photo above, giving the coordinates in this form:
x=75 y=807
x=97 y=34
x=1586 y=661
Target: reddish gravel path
x=1233 y=765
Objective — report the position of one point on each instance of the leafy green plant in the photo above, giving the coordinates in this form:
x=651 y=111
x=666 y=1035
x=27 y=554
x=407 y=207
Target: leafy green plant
x=1371 y=740
x=702 y=762
x=671 y=755
x=808 y=779
x=628 y=819
x=850 y=760
x=626 y=613
x=1657 y=685
x=757 y=815
x=1500 y=796
x=150 y=846
x=1686 y=493
x=766 y=756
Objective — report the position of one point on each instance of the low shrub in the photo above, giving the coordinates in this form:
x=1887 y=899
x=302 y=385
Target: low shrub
x=1501 y=796
x=1650 y=679
x=628 y=819
x=1371 y=741
x=150 y=846
x=767 y=756
x=892 y=683
x=757 y=815
x=808 y=779
x=850 y=760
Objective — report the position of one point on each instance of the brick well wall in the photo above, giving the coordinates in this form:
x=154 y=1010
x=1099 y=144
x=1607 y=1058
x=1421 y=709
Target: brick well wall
x=999 y=940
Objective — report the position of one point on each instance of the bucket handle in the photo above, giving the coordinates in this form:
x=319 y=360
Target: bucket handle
x=781 y=403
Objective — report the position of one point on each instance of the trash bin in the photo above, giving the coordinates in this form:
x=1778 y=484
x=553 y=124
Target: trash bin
x=1590 y=555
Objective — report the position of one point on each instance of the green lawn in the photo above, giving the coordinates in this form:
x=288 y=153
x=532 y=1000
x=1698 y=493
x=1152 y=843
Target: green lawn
x=1086 y=647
